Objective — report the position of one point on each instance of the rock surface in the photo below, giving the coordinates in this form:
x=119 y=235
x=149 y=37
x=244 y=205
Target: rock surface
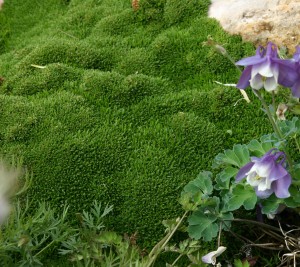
x=260 y=21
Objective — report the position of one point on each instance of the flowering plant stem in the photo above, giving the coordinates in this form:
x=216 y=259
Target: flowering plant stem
x=274 y=125
x=297 y=143
x=159 y=247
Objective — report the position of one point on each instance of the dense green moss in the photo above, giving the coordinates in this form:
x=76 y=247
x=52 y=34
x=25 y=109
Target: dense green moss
x=74 y=53
x=115 y=89
x=104 y=102
x=177 y=11
x=51 y=77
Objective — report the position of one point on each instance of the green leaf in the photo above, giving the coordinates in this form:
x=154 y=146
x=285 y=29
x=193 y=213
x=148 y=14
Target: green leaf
x=257 y=147
x=242 y=195
x=223 y=178
x=260 y=148
x=289 y=128
x=296 y=173
x=295 y=109
x=270 y=205
x=203 y=184
x=294 y=200
x=239 y=263
x=238 y=156
x=203 y=226
x=211 y=203
x=109 y=238
x=226 y=219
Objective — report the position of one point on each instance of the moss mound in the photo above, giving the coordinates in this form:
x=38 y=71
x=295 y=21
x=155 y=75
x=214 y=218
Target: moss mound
x=109 y=103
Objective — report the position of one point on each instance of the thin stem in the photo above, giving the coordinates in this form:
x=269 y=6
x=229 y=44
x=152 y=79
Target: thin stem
x=244 y=239
x=273 y=99
x=272 y=234
x=219 y=236
x=270 y=117
x=297 y=143
x=266 y=246
x=174 y=230
x=255 y=222
x=161 y=245
x=44 y=248
x=274 y=125
x=177 y=259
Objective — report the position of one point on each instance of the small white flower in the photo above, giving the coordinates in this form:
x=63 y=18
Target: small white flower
x=211 y=257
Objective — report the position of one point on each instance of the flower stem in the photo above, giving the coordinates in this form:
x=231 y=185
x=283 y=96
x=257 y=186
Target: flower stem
x=268 y=112
x=274 y=125
x=177 y=259
x=297 y=143
x=159 y=247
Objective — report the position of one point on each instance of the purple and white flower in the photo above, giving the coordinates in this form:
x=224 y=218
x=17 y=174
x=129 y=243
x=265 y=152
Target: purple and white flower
x=267 y=175
x=211 y=257
x=266 y=70
x=295 y=88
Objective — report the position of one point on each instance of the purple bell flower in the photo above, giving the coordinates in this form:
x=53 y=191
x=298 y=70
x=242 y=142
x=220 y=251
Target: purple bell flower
x=296 y=86
x=266 y=70
x=267 y=175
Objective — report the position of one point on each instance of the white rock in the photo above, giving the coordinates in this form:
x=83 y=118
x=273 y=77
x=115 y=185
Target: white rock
x=260 y=21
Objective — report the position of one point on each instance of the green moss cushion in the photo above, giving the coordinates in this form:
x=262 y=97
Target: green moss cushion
x=104 y=102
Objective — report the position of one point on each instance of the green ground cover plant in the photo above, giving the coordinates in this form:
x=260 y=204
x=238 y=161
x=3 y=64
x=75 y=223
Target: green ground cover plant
x=106 y=103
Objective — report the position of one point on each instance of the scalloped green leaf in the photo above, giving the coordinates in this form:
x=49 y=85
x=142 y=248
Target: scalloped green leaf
x=271 y=204
x=242 y=195
x=223 y=178
x=203 y=226
x=294 y=200
x=203 y=184
x=256 y=146
x=226 y=219
x=238 y=156
x=259 y=148
x=290 y=127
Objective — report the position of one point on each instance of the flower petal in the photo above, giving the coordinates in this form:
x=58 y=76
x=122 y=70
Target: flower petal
x=270 y=84
x=287 y=73
x=210 y=258
x=277 y=172
x=257 y=59
x=244 y=80
x=263 y=170
x=265 y=184
x=296 y=56
x=243 y=171
x=249 y=61
x=296 y=89
x=256 y=82
x=220 y=250
x=263 y=194
x=253 y=179
x=264 y=69
x=281 y=186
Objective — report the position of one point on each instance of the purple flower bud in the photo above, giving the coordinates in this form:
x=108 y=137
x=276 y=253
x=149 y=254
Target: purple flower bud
x=267 y=175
